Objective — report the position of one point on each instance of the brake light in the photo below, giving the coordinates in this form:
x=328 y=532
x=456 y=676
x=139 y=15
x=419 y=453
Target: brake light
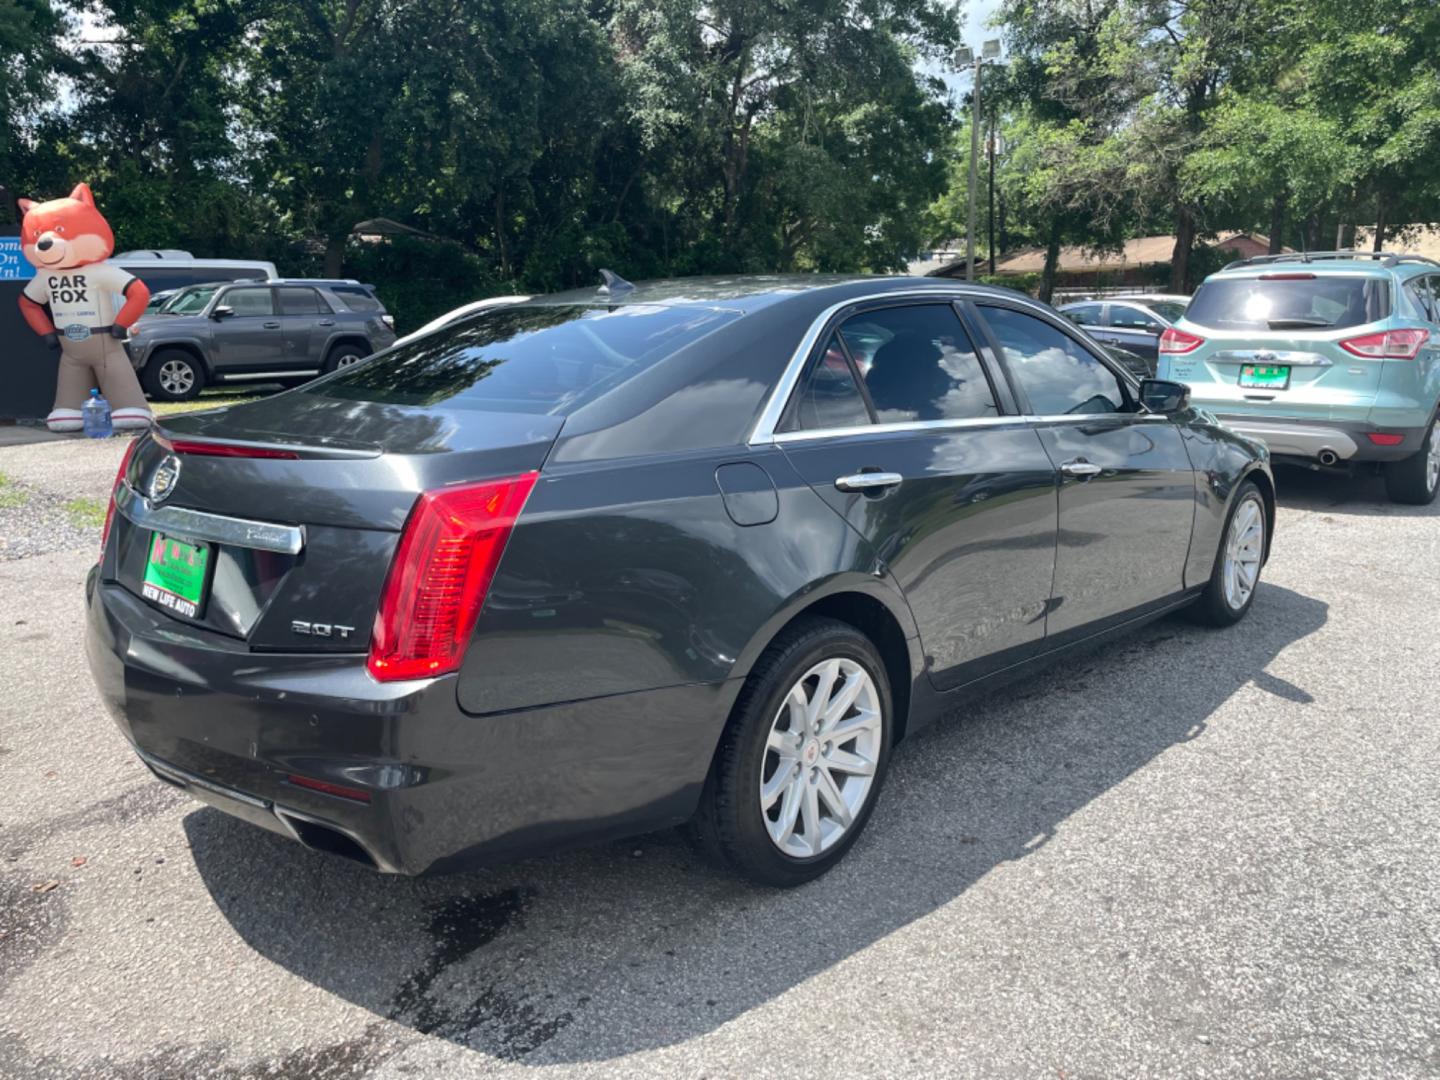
x=1178 y=341
x=214 y=449
x=437 y=584
x=1287 y=277
x=110 y=509
x=1388 y=345
x=1385 y=438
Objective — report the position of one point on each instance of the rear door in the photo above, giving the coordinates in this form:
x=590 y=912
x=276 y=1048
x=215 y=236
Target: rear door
x=302 y=311
x=1127 y=489
x=899 y=424
x=249 y=339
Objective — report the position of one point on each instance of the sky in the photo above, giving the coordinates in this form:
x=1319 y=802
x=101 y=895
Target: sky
x=977 y=14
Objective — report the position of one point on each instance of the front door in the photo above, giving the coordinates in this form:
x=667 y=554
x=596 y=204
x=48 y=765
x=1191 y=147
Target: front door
x=1127 y=489
x=897 y=425
x=249 y=339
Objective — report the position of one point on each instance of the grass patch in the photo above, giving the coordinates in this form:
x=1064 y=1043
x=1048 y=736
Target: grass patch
x=212 y=399
x=11 y=495
x=86 y=512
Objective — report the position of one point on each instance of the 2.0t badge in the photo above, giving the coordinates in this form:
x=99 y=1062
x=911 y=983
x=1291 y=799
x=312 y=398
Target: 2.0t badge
x=163 y=479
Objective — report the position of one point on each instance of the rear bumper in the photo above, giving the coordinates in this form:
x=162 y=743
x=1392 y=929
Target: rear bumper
x=1310 y=439
x=447 y=789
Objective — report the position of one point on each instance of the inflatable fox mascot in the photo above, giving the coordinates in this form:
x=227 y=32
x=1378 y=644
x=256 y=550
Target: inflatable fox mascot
x=92 y=307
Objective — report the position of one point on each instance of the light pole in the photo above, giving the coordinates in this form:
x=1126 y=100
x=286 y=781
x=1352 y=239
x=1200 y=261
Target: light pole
x=964 y=56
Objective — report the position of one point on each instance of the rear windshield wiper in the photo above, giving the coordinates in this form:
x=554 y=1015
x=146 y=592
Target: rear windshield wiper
x=1298 y=323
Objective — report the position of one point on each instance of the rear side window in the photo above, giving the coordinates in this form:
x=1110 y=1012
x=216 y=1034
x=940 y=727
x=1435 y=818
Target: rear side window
x=161 y=278
x=1290 y=303
x=831 y=395
x=1057 y=374
x=357 y=299
x=1422 y=292
x=299 y=302
x=524 y=358
x=918 y=364
x=1084 y=314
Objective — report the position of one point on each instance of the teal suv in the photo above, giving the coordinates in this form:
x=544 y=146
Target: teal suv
x=1330 y=358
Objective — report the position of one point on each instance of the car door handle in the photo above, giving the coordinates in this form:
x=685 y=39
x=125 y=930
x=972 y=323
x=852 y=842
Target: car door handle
x=327 y=322
x=1081 y=467
x=868 y=481
x=271 y=325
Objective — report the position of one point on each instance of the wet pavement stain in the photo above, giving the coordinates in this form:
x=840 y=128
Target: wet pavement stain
x=493 y=1020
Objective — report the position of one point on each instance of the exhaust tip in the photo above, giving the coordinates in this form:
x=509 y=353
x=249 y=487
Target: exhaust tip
x=1328 y=456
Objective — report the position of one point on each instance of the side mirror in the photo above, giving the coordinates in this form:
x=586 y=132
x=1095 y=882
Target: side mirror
x=1163 y=396
x=224 y=311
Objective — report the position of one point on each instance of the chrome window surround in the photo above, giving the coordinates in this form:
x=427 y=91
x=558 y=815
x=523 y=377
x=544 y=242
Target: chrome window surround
x=240 y=532
x=764 y=431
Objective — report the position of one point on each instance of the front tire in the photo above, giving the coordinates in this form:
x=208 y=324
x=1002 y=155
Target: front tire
x=1236 y=576
x=1415 y=480
x=802 y=760
x=173 y=375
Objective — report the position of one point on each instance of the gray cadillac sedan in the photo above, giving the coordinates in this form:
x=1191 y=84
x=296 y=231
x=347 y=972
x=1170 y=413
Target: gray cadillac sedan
x=602 y=562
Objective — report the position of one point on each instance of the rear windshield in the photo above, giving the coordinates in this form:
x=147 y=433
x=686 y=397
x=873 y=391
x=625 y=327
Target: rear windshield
x=1316 y=303
x=524 y=358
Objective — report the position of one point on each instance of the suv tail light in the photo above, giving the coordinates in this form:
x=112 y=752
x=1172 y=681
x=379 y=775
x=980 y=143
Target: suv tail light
x=110 y=509
x=1388 y=345
x=448 y=553
x=1178 y=341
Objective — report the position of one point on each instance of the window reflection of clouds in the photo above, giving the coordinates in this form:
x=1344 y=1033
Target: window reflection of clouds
x=1057 y=374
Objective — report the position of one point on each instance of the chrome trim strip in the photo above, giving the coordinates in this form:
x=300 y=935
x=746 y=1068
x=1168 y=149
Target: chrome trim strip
x=267 y=376
x=189 y=779
x=1287 y=358
x=764 y=429
x=241 y=532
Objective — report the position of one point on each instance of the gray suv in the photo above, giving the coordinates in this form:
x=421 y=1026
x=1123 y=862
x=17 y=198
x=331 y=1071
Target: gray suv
x=249 y=332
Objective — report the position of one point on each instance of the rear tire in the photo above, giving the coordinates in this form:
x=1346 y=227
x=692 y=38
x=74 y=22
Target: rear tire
x=1235 y=579
x=776 y=803
x=1415 y=480
x=343 y=356
x=173 y=375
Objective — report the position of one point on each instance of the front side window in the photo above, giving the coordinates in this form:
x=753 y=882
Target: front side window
x=918 y=364
x=1129 y=318
x=249 y=301
x=1056 y=373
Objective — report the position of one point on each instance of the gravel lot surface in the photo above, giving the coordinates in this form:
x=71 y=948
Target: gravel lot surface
x=1196 y=853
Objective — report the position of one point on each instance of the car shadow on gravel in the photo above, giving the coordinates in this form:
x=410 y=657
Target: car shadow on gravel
x=594 y=954
x=1360 y=492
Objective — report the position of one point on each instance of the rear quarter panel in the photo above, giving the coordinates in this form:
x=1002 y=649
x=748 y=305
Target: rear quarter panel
x=631 y=575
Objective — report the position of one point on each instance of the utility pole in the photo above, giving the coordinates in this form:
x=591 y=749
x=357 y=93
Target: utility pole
x=964 y=56
x=991 y=218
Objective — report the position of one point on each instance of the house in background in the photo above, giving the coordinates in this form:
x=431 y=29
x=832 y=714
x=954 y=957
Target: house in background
x=1143 y=262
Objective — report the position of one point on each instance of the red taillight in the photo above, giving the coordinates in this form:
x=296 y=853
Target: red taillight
x=214 y=449
x=1287 y=277
x=1384 y=438
x=447 y=556
x=1388 y=345
x=110 y=509
x=340 y=790
x=1178 y=341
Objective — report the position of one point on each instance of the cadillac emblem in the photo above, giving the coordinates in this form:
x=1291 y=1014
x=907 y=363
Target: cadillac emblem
x=163 y=479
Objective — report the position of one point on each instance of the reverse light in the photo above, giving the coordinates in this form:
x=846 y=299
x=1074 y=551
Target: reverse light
x=1388 y=345
x=110 y=508
x=201 y=448
x=339 y=790
x=1384 y=438
x=1178 y=341
x=447 y=557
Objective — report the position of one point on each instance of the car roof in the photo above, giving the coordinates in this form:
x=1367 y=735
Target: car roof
x=744 y=293
x=1333 y=263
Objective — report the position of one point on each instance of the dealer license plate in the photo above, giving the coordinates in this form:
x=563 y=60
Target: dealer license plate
x=175 y=575
x=1265 y=376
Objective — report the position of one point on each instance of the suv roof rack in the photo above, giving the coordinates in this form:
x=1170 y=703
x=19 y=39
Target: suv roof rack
x=1385 y=258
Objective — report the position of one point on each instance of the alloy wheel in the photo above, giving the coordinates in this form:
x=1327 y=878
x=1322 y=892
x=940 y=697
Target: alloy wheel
x=1432 y=459
x=176 y=377
x=1244 y=548
x=820 y=757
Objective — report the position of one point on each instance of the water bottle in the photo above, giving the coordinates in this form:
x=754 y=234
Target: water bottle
x=96 y=416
